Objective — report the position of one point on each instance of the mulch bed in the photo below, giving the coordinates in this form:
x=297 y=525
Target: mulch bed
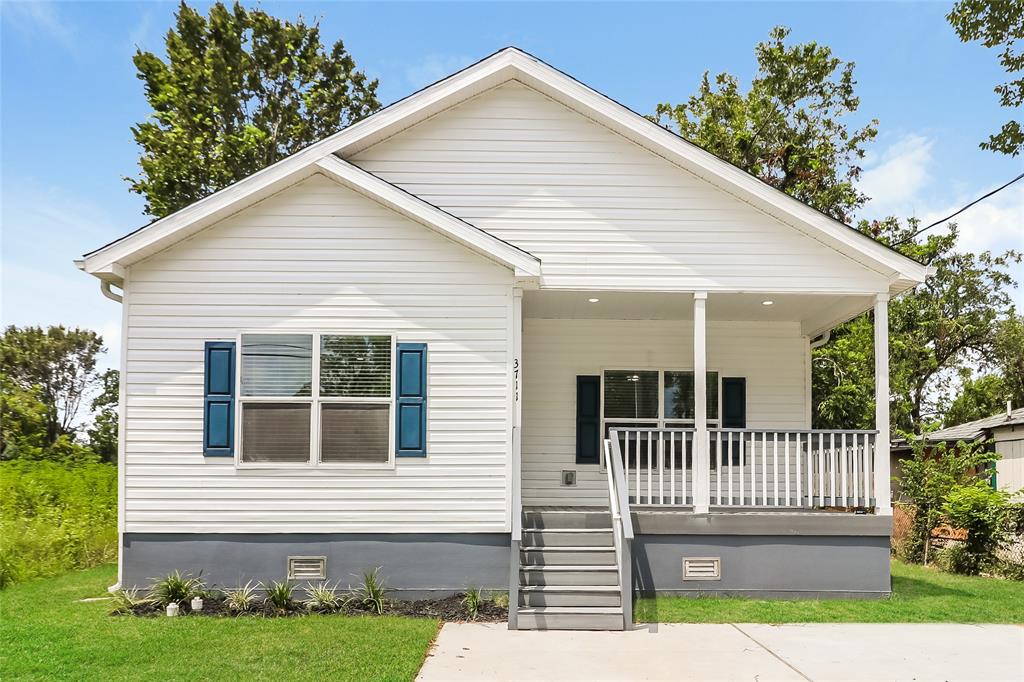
x=447 y=609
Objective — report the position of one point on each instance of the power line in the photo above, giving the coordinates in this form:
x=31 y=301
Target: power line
x=958 y=212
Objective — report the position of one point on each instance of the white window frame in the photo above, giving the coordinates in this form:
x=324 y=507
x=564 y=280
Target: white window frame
x=315 y=400
x=660 y=420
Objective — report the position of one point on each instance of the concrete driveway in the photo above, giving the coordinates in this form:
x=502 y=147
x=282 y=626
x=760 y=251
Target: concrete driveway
x=818 y=652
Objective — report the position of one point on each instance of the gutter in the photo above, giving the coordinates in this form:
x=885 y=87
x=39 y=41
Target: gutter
x=821 y=340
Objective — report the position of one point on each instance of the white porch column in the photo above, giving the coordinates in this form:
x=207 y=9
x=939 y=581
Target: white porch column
x=517 y=408
x=883 y=496
x=701 y=463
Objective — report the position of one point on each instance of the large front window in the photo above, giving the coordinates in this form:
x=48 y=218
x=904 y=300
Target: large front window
x=316 y=398
x=654 y=398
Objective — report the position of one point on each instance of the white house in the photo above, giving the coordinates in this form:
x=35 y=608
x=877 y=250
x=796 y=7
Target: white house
x=504 y=331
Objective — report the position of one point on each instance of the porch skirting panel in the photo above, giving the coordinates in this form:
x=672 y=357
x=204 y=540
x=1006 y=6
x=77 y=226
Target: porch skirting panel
x=416 y=565
x=769 y=566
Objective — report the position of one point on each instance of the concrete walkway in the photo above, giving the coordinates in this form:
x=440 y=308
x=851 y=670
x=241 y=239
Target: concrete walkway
x=818 y=652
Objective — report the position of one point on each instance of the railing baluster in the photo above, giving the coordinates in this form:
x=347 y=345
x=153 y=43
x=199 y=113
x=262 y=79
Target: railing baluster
x=661 y=467
x=728 y=436
x=842 y=457
x=672 y=467
x=832 y=466
x=789 y=500
x=764 y=468
x=650 y=476
x=636 y=465
x=685 y=467
x=821 y=470
x=775 y=465
x=869 y=451
x=718 y=472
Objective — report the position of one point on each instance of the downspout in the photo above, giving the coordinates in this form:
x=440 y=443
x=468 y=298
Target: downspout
x=106 y=291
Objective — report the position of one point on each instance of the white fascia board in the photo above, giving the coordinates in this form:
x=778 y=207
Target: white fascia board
x=416 y=209
x=179 y=225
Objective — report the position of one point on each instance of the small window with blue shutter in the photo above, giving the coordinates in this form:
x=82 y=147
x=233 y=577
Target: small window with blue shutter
x=411 y=400
x=219 y=399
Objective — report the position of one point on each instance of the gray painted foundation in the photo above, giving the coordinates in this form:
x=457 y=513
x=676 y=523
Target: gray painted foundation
x=766 y=566
x=415 y=564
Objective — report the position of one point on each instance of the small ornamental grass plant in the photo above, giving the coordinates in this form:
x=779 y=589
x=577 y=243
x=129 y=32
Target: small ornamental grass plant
x=322 y=598
x=125 y=602
x=471 y=600
x=241 y=599
x=372 y=593
x=279 y=595
x=175 y=589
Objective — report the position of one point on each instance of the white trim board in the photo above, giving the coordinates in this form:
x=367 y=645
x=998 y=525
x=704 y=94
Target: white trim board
x=507 y=64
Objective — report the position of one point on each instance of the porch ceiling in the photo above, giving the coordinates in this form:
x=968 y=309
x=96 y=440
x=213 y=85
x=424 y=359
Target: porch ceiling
x=816 y=313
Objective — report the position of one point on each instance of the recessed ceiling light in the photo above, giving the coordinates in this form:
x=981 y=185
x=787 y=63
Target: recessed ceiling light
x=593 y=300
x=768 y=302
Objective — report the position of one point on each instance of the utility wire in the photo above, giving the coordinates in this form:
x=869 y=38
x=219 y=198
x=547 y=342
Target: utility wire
x=956 y=213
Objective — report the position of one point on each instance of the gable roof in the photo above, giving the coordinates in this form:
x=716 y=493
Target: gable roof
x=508 y=64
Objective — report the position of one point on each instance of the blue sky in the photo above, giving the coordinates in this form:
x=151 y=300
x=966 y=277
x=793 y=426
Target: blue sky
x=69 y=95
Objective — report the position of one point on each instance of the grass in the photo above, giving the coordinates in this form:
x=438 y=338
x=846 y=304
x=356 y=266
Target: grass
x=919 y=595
x=46 y=633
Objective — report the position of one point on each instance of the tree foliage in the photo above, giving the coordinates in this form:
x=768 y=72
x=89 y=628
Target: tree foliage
x=788 y=128
x=929 y=476
x=47 y=377
x=997 y=23
x=239 y=90
x=103 y=432
x=937 y=331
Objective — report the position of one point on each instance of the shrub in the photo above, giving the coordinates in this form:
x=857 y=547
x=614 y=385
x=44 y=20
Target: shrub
x=928 y=477
x=322 y=598
x=55 y=518
x=279 y=595
x=981 y=511
x=471 y=600
x=125 y=602
x=241 y=599
x=372 y=593
x=175 y=589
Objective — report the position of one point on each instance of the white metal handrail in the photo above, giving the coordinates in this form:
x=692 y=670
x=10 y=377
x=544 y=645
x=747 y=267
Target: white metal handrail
x=622 y=527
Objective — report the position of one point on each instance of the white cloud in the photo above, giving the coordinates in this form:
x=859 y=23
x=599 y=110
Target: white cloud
x=37 y=18
x=895 y=180
x=997 y=223
x=435 y=67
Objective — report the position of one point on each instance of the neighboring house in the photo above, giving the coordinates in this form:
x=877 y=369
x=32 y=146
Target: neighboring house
x=1005 y=430
x=417 y=343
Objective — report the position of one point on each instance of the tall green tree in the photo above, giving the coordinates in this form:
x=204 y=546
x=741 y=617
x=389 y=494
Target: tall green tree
x=998 y=24
x=937 y=331
x=788 y=128
x=239 y=90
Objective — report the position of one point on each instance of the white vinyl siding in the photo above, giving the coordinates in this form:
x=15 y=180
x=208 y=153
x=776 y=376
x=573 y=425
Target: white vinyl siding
x=600 y=211
x=1009 y=443
x=319 y=257
x=770 y=355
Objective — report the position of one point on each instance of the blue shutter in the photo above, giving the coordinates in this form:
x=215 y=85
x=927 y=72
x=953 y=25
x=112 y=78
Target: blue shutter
x=219 y=401
x=411 y=403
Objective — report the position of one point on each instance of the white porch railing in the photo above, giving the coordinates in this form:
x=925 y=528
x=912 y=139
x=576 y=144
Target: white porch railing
x=751 y=467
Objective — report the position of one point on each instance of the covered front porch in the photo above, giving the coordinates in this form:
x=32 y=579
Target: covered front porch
x=704 y=398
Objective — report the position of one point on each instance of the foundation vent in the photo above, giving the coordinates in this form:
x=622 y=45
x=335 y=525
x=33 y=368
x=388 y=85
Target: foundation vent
x=307 y=567
x=702 y=568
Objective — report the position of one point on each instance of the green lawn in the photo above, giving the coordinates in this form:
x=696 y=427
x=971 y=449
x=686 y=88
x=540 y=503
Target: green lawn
x=919 y=595
x=46 y=633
